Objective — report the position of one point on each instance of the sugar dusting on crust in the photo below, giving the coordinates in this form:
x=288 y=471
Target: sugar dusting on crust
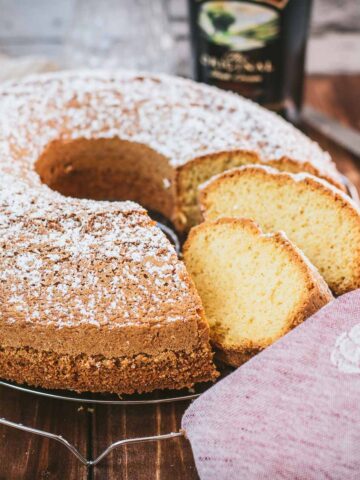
x=177 y=117
x=68 y=261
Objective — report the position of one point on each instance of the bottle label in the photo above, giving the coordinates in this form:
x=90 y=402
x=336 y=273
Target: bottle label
x=240 y=46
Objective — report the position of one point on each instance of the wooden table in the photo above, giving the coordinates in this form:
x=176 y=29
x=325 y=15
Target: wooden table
x=28 y=457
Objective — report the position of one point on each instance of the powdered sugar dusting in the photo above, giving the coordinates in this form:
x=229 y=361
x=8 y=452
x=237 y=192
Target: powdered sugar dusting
x=176 y=117
x=68 y=261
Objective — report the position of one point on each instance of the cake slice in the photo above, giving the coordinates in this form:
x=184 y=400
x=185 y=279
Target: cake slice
x=94 y=298
x=322 y=221
x=255 y=287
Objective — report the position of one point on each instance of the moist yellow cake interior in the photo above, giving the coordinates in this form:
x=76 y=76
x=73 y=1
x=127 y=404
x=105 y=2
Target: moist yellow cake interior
x=321 y=227
x=249 y=288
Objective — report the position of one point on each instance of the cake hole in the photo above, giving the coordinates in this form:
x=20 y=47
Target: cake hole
x=108 y=169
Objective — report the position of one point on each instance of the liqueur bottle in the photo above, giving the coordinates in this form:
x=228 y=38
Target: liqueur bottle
x=254 y=48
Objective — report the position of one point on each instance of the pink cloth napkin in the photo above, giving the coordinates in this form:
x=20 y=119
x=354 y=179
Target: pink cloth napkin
x=292 y=412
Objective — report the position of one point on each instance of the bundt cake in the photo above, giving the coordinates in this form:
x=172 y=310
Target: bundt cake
x=92 y=295
x=318 y=218
x=255 y=287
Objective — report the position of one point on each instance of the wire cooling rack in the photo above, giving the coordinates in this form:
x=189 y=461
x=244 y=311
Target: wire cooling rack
x=98 y=399
x=152 y=399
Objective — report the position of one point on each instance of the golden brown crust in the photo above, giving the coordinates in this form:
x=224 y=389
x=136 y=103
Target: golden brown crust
x=316 y=292
x=108 y=340
x=97 y=373
x=130 y=357
x=290 y=165
x=282 y=177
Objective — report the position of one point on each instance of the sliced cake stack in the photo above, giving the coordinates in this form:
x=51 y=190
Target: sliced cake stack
x=256 y=286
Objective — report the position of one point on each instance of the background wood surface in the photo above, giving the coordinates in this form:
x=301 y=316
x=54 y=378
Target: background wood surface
x=28 y=457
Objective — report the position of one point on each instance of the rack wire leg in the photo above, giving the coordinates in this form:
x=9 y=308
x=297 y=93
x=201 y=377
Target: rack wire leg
x=75 y=451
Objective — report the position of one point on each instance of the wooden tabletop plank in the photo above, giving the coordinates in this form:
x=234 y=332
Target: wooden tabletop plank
x=24 y=456
x=157 y=460
x=337 y=97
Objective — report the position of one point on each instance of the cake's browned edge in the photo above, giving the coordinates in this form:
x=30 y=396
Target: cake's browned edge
x=289 y=165
x=175 y=366
x=141 y=373
x=179 y=364
x=316 y=295
x=134 y=358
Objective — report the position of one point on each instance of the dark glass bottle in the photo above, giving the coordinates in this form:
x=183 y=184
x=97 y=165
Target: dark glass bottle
x=254 y=48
